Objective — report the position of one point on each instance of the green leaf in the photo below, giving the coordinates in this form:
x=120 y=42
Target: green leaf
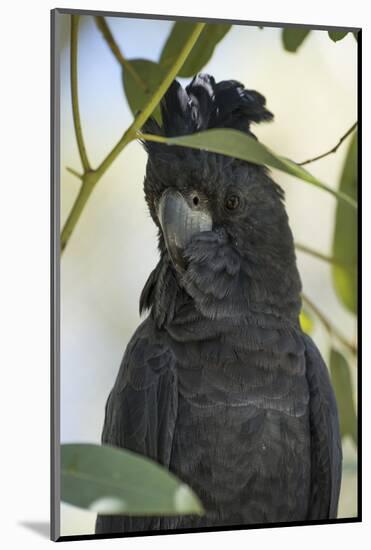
x=238 y=144
x=345 y=234
x=337 y=35
x=306 y=321
x=293 y=38
x=342 y=383
x=202 y=50
x=139 y=92
x=109 y=480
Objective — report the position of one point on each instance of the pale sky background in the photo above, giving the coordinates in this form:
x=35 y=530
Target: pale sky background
x=113 y=249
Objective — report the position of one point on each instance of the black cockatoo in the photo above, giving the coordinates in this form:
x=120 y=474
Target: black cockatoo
x=219 y=384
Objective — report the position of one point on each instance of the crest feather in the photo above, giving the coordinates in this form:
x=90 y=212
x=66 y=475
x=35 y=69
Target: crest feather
x=205 y=104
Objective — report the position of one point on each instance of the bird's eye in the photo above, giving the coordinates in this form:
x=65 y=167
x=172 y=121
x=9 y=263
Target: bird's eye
x=232 y=202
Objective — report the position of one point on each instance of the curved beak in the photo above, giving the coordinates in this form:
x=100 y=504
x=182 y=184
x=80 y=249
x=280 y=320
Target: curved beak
x=179 y=222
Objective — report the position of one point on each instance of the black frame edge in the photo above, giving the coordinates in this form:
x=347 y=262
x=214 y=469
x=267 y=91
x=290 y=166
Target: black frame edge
x=170 y=17
x=54 y=279
x=68 y=538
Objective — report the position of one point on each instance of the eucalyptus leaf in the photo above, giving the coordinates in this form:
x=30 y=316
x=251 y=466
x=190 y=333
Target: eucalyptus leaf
x=202 y=50
x=342 y=383
x=141 y=83
x=306 y=322
x=239 y=145
x=292 y=38
x=109 y=480
x=345 y=234
x=337 y=35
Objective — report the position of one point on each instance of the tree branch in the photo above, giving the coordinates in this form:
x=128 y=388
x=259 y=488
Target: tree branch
x=331 y=329
x=74 y=172
x=91 y=177
x=88 y=183
x=131 y=132
x=334 y=149
x=318 y=255
x=74 y=92
x=108 y=36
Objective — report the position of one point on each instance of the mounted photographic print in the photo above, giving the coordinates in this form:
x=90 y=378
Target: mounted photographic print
x=204 y=282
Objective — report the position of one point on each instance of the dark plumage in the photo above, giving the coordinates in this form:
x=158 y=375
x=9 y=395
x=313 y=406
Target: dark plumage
x=219 y=383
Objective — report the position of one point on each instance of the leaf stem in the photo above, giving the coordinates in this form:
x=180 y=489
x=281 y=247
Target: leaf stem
x=153 y=137
x=331 y=329
x=334 y=149
x=74 y=93
x=318 y=255
x=108 y=36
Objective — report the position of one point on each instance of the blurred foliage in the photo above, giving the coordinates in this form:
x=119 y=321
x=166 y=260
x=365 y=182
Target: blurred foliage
x=345 y=234
x=336 y=36
x=306 y=321
x=293 y=37
x=341 y=380
x=137 y=95
x=145 y=76
x=109 y=480
x=202 y=50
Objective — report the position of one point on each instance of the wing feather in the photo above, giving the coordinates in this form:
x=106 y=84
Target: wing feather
x=326 y=453
x=141 y=412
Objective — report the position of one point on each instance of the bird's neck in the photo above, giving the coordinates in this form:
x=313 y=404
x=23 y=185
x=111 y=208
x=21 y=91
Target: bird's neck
x=174 y=310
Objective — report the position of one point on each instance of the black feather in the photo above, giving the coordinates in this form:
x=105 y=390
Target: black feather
x=205 y=104
x=237 y=107
x=326 y=458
